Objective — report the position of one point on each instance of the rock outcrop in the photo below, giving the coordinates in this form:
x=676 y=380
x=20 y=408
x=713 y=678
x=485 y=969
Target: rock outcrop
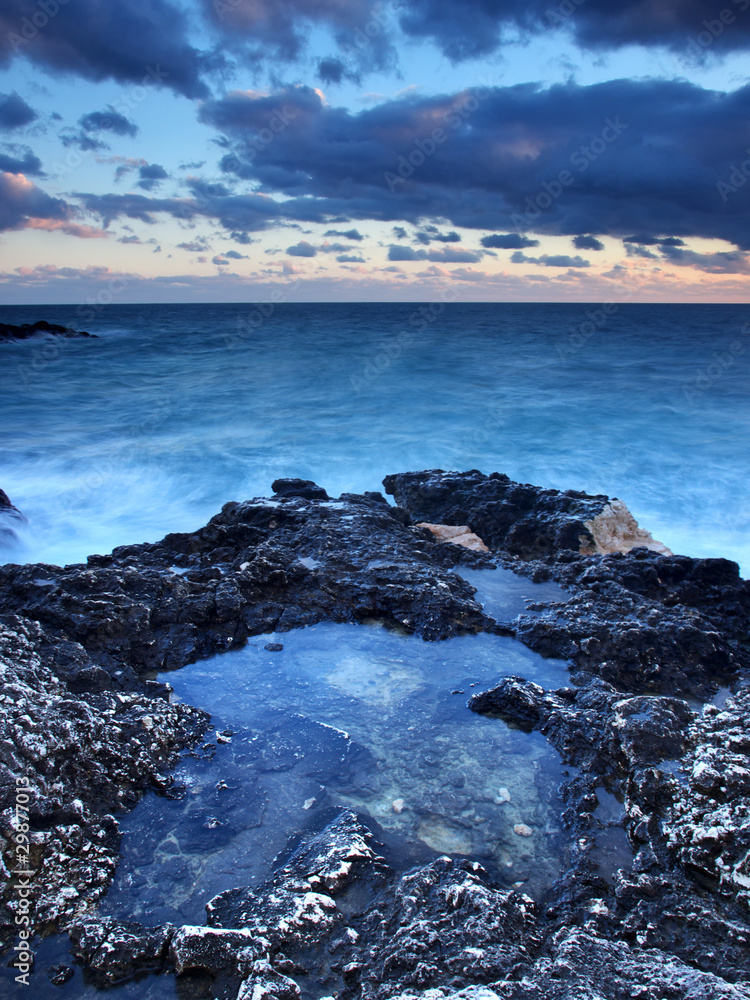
x=40 y=328
x=649 y=638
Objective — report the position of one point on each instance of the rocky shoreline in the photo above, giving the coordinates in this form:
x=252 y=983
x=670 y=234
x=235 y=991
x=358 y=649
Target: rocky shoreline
x=650 y=638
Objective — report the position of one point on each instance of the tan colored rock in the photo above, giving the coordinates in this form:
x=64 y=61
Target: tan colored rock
x=522 y=830
x=616 y=530
x=457 y=534
x=398 y=805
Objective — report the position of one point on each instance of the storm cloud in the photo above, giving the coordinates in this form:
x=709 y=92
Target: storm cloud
x=599 y=160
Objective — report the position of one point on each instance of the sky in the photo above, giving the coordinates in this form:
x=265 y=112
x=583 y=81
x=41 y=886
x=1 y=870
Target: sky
x=359 y=150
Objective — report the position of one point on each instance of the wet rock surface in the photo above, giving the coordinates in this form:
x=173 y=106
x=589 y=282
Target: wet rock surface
x=650 y=638
x=40 y=328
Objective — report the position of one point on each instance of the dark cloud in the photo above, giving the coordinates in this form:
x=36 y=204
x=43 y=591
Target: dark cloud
x=235 y=255
x=194 y=246
x=130 y=41
x=21 y=201
x=302 y=249
x=445 y=255
x=348 y=234
x=550 y=260
x=652 y=241
x=399 y=232
x=508 y=241
x=587 y=243
x=331 y=70
x=347 y=258
x=242 y=238
x=14 y=111
x=270 y=29
x=477 y=27
x=151 y=175
x=107 y=121
x=16 y=159
x=429 y=233
x=128 y=239
x=606 y=159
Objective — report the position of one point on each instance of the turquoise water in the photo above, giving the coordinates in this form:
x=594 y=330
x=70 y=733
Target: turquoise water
x=177 y=409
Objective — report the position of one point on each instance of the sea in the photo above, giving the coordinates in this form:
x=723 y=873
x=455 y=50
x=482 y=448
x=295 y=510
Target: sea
x=176 y=409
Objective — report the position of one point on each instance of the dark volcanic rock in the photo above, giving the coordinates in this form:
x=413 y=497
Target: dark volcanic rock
x=26 y=330
x=78 y=759
x=665 y=917
x=524 y=520
x=256 y=567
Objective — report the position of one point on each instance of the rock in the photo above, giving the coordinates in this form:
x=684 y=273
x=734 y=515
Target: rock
x=25 y=330
x=306 y=489
x=274 y=647
x=647 y=636
x=457 y=535
x=616 y=530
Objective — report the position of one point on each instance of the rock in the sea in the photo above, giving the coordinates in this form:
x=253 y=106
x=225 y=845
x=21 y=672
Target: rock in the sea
x=457 y=534
x=10 y=332
x=520 y=519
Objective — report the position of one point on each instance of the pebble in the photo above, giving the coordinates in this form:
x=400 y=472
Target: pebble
x=398 y=805
x=503 y=795
x=309 y=803
x=522 y=830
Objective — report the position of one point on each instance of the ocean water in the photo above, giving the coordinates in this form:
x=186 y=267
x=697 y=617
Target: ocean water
x=177 y=409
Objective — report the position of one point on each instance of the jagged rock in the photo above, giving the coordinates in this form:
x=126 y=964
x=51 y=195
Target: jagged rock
x=116 y=949
x=524 y=520
x=10 y=332
x=638 y=629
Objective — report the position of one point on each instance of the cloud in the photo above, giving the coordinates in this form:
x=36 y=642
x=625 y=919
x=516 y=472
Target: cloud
x=346 y=258
x=429 y=233
x=235 y=255
x=445 y=255
x=16 y=159
x=15 y=112
x=731 y=262
x=129 y=41
x=194 y=246
x=302 y=249
x=550 y=260
x=108 y=121
x=268 y=29
x=587 y=243
x=21 y=202
x=348 y=234
x=508 y=241
x=151 y=175
x=128 y=239
x=633 y=154
x=478 y=27
x=650 y=241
